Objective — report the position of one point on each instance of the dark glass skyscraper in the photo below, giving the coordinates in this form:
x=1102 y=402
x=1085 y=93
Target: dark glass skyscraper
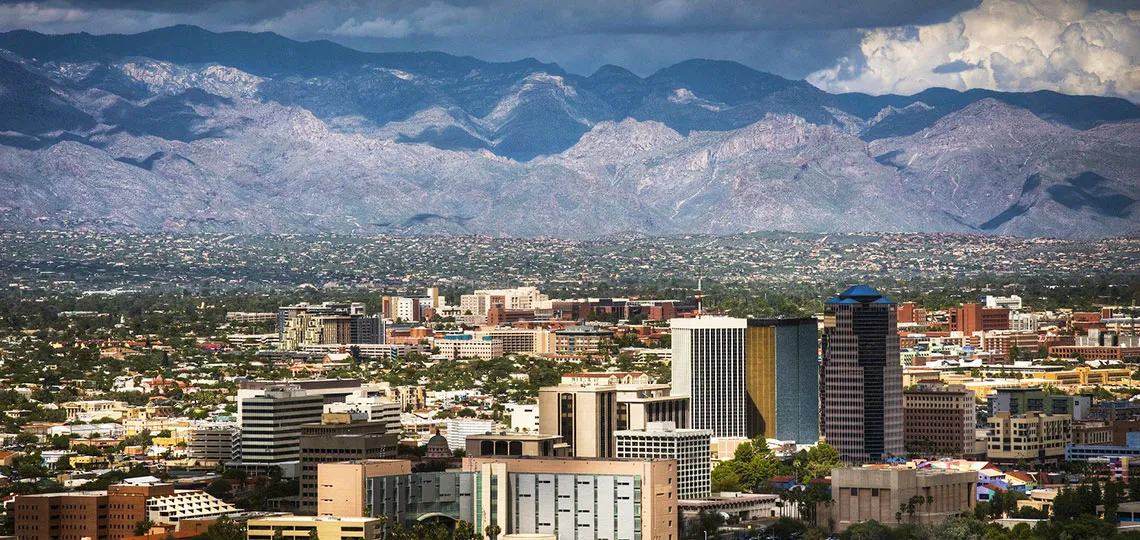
x=861 y=401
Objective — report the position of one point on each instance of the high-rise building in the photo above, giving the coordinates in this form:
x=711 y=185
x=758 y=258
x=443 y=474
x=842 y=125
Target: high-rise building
x=861 y=377
x=749 y=377
x=330 y=323
x=690 y=448
x=271 y=428
x=584 y=416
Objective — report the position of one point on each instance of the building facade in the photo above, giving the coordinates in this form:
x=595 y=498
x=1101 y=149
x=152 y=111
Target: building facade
x=271 y=427
x=749 y=377
x=1030 y=437
x=340 y=437
x=690 y=448
x=585 y=417
x=939 y=421
x=861 y=387
x=863 y=494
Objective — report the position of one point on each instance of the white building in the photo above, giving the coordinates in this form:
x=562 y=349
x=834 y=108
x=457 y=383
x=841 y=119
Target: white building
x=459 y=429
x=1008 y=302
x=186 y=504
x=524 y=418
x=371 y=401
x=711 y=350
x=271 y=427
x=456 y=346
x=217 y=443
x=691 y=448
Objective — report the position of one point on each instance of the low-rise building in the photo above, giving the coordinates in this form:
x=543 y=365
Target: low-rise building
x=304 y=527
x=690 y=448
x=866 y=493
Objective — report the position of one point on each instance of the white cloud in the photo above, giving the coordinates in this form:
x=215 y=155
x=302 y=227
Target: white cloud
x=1015 y=45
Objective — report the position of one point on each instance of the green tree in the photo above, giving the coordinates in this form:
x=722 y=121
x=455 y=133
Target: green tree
x=464 y=530
x=725 y=479
x=225 y=529
x=816 y=462
x=313 y=534
x=143 y=526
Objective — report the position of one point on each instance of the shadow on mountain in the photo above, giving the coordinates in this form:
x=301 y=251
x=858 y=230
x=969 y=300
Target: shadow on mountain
x=1088 y=190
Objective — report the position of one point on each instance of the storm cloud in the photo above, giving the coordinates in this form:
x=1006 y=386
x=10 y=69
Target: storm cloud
x=874 y=45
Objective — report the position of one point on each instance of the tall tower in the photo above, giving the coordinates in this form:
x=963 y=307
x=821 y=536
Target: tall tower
x=861 y=401
x=749 y=377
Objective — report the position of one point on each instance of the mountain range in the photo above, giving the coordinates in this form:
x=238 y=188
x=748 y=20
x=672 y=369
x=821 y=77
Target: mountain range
x=182 y=129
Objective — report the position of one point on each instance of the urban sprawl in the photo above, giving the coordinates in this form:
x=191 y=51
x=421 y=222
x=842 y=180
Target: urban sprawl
x=506 y=413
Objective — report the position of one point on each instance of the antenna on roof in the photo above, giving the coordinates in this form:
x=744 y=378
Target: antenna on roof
x=700 y=295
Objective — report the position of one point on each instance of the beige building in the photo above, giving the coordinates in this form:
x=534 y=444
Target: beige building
x=878 y=493
x=578 y=498
x=1028 y=437
x=521 y=340
x=456 y=346
x=341 y=487
x=585 y=417
x=528 y=508
x=640 y=404
x=516 y=444
x=939 y=421
x=326 y=527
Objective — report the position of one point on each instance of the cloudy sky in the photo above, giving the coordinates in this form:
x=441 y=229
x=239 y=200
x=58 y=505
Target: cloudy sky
x=877 y=46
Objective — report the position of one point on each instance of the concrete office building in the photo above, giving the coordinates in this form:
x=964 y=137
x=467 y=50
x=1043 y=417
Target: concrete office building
x=972 y=318
x=585 y=417
x=210 y=446
x=863 y=494
x=749 y=377
x=572 y=498
x=939 y=420
x=690 y=448
x=640 y=404
x=1017 y=401
x=330 y=323
x=581 y=340
x=271 y=428
x=1030 y=437
x=342 y=487
x=861 y=377
x=340 y=437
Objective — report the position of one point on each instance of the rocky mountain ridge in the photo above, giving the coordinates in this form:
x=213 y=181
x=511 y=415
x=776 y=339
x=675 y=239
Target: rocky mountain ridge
x=182 y=129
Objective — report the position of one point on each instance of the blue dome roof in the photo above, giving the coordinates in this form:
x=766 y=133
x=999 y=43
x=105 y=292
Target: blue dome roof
x=860 y=291
x=859 y=294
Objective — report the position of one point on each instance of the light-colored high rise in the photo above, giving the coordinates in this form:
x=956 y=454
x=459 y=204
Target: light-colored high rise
x=271 y=427
x=749 y=377
x=585 y=417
